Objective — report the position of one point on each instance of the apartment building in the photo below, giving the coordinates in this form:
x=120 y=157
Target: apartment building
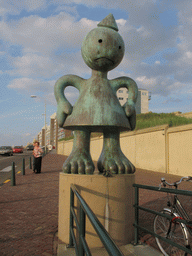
x=142 y=104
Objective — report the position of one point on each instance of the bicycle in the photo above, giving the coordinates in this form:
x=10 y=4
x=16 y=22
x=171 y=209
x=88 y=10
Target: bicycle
x=169 y=227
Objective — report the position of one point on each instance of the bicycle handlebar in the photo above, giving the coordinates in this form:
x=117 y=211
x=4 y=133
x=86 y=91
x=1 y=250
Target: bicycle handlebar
x=187 y=178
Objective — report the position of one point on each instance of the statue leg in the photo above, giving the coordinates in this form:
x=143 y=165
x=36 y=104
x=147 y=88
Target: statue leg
x=79 y=161
x=112 y=160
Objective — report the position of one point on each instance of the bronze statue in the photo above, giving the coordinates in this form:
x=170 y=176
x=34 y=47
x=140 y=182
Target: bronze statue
x=97 y=109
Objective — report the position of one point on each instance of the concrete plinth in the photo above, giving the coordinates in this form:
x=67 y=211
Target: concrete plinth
x=110 y=198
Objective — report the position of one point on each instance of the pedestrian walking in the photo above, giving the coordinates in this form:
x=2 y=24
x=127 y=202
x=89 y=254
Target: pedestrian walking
x=37 y=153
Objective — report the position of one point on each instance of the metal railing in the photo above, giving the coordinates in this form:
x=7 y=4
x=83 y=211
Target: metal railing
x=81 y=246
x=137 y=208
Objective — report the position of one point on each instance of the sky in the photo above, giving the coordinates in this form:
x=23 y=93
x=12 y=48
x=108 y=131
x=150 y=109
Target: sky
x=40 y=41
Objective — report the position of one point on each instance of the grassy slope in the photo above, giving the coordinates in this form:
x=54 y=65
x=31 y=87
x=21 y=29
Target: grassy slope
x=155 y=119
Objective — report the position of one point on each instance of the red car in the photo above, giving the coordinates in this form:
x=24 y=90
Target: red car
x=18 y=149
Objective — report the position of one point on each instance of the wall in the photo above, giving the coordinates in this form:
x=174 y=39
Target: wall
x=145 y=148
x=187 y=114
x=180 y=150
x=160 y=149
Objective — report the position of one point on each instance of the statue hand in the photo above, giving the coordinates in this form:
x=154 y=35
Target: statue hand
x=129 y=109
x=64 y=109
x=131 y=114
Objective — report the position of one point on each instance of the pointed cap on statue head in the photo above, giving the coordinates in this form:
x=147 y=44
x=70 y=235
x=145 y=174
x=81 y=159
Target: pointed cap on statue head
x=108 y=22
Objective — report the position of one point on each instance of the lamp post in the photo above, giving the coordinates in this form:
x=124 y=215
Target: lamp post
x=34 y=96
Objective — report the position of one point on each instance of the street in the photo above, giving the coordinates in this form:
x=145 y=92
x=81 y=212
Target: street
x=6 y=164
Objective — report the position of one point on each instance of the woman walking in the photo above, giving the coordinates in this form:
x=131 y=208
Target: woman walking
x=37 y=153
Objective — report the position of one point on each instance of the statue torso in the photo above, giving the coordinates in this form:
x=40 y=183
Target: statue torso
x=97 y=107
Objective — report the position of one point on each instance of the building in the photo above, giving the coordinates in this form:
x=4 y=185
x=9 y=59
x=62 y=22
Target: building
x=61 y=133
x=42 y=138
x=53 y=130
x=39 y=137
x=54 y=133
x=142 y=104
x=47 y=134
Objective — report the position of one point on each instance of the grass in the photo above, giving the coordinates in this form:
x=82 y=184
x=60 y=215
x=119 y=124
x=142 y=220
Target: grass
x=153 y=119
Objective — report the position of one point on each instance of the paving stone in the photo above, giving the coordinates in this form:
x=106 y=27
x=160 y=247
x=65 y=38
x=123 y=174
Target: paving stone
x=29 y=210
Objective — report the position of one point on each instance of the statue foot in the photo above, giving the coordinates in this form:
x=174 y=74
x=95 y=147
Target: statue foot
x=114 y=163
x=79 y=163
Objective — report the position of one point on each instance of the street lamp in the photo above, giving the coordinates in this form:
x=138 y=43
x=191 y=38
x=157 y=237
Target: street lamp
x=34 y=96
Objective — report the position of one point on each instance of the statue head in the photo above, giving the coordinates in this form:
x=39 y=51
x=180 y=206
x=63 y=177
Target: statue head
x=103 y=47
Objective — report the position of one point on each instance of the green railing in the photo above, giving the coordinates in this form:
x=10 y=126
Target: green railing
x=137 y=208
x=81 y=246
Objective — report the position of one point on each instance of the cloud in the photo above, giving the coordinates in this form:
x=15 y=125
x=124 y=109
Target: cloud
x=32 y=86
x=33 y=65
x=45 y=35
x=172 y=100
x=22 y=114
x=45 y=90
x=146 y=81
x=15 y=7
x=15 y=139
x=51 y=45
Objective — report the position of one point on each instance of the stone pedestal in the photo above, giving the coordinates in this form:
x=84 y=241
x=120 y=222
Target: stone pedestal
x=110 y=198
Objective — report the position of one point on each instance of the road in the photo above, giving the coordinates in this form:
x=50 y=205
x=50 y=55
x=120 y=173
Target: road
x=6 y=164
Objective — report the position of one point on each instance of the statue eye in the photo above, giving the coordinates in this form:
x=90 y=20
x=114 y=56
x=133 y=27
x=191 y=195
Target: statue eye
x=119 y=47
x=100 y=41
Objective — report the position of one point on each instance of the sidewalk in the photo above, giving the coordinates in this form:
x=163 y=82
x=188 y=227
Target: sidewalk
x=29 y=210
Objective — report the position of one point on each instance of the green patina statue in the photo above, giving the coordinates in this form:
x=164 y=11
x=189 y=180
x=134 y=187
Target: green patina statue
x=97 y=109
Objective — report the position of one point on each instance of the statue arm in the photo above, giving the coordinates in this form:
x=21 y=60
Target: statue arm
x=64 y=108
x=129 y=106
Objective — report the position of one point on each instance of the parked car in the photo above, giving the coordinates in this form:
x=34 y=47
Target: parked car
x=30 y=147
x=18 y=149
x=6 y=150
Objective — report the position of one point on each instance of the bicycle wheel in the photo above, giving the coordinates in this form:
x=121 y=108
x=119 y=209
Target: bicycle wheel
x=177 y=234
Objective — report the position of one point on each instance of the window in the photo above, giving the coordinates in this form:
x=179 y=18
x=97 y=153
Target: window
x=120 y=91
x=120 y=98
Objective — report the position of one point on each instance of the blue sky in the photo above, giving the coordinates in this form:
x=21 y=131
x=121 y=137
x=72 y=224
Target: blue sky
x=40 y=41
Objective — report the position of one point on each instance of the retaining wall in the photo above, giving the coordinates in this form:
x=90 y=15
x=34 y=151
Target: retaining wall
x=160 y=149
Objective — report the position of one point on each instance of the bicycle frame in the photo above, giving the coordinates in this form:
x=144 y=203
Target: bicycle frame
x=176 y=216
x=182 y=213
x=176 y=206
x=162 y=220
x=179 y=218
